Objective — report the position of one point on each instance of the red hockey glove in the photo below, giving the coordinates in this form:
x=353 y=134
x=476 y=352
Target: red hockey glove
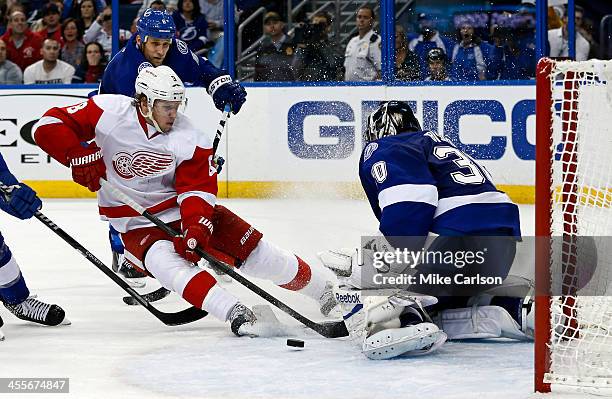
x=196 y=233
x=87 y=166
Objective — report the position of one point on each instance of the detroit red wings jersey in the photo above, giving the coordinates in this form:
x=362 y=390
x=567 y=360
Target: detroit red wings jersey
x=158 y=170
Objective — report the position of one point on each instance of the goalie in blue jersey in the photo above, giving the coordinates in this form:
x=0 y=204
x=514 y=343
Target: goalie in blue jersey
x=430 y=198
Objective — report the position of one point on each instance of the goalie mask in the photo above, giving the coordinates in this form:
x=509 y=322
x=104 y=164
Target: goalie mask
x=159 y=83
x=391 y=118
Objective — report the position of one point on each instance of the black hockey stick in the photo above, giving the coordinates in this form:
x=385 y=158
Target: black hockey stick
x=171 y=319
x=152 y=296
x=221 y=127
x=328 y=330
x=162 y=292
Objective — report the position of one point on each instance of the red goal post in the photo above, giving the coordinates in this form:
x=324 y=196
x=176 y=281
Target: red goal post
x=573 y=337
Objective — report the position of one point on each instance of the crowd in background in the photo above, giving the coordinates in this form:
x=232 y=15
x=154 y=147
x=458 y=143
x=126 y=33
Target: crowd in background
x=475 y=46
x=70 y=41
x=63 y=41
x=60 y=42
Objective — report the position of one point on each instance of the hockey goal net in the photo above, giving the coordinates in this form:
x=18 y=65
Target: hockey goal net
x=573 y=349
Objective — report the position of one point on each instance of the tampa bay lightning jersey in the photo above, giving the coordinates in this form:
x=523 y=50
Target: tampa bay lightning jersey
x=120 y=74
x=6 y=177
x=418 y=183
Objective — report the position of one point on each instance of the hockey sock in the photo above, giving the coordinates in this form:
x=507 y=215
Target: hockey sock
x=218 y=302
x=284 y=269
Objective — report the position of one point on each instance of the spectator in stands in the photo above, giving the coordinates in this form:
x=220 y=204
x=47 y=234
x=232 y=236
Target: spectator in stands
x=3 y=19
x=437 y=66
x=73 y=47
x=429 y=38
x=22 y=45
x=275 y=53
x=101 y=31
x=316 y=57
x=512 y=60
x=92 y=65
x=584 y=26
x=87 y=14
x=407 y=66
x=154 y=4
x=213 y=9
x=559 y=45
x=553 y=19
x=471 y=58
x=362 y=58
x=10 y=74
x=49 y=70
x=74 y=9
x=191 y=24
x=10 y=9
x=159 y=5
x=51 y=27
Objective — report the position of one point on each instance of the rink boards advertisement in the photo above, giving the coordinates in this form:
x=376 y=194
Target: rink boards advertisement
x=306 y=141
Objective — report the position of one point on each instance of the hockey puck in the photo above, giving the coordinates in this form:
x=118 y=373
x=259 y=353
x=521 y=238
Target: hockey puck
x=295 y=343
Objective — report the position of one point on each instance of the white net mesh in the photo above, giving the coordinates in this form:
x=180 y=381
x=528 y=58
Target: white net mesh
x=581 y=253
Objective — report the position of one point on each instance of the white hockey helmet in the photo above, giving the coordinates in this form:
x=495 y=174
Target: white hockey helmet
x=159 y=83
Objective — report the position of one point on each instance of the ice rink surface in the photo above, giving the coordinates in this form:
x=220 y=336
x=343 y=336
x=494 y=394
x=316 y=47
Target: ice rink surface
x=112 y=350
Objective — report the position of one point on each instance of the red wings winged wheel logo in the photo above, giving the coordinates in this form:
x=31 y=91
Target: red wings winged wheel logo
x=141 y=164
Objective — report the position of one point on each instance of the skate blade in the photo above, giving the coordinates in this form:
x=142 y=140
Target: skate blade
x=65 y=322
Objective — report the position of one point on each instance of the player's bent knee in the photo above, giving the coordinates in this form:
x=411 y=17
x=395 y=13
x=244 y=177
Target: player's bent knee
x=168 y=267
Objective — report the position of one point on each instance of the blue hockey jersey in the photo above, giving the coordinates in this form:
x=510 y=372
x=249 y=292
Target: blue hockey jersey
x=120 y=74
x=6 y=177
x=418 y=183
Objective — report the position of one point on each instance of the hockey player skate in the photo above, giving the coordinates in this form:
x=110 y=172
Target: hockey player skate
x=1 y=334
x=129 y=273
x=259 y=322
x=38 y=312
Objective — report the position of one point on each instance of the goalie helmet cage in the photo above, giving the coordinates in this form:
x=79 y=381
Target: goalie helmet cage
x=573 y=337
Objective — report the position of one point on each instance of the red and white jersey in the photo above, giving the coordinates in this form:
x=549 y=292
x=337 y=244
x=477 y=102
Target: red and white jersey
x=158 y=170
